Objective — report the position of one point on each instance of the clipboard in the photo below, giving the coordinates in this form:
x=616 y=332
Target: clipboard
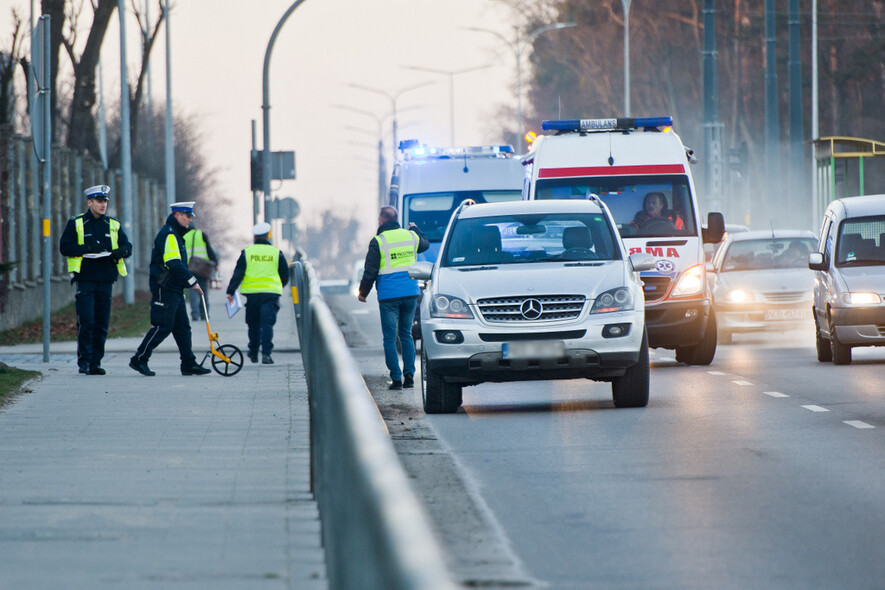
x=233 y=308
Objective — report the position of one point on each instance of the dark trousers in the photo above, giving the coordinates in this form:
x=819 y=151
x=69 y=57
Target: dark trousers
x=197 y=312
x=168 y=316
x=93 y=305
x=261 y=315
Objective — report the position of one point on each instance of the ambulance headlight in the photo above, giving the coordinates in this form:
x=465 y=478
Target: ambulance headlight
x=690 y=283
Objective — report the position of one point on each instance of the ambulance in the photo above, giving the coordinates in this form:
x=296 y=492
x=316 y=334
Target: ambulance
x=640 y=169
x=428 y=184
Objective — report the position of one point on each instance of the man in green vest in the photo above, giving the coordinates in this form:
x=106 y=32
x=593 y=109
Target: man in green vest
x=391 y=252
x=261 y=273
x=95 y=246
x=196 y=242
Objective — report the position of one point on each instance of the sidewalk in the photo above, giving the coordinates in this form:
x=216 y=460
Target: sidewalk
x=126 y=481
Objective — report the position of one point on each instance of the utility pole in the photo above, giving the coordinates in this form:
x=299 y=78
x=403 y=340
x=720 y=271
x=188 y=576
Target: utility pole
x=797 y=206
x=712 y=125
x=772 y=134
x=168 y=134
x=125 y=152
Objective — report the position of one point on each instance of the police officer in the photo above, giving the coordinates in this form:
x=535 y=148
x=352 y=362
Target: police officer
x=390 y=254
x=261 y=273
x=168 y=277
x=196 y=242
x=95 y=246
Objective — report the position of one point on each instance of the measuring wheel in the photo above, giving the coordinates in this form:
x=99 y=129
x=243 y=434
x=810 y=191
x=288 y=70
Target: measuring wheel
x=224 y=368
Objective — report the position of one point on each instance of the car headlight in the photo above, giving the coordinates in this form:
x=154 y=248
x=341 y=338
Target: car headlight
x=861 y=298
x=739 y=296
x=690 y=283
x=446 y=306
x=620 y=299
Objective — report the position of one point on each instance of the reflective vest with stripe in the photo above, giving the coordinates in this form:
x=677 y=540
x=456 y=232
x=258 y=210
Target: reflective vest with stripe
x=74 y=262
x=195 y=244
x=399 y=251
x=262 y=270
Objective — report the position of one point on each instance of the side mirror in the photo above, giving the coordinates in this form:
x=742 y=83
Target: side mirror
x=642 y=261
x=421 y=270
x=712 y=234
x=816 y=261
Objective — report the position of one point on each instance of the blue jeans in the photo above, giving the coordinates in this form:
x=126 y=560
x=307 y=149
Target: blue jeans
x=396 y=320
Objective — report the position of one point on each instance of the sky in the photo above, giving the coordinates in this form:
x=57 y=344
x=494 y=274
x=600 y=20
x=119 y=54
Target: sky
x=218 y=49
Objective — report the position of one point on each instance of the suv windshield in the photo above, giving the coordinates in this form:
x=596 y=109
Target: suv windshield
x=642 y=206
x=431 y=212
x=861 y=242
x=513 y=239
x=768 y=253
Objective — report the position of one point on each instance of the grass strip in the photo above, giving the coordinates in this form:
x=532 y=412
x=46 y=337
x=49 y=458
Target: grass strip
x=11 y=381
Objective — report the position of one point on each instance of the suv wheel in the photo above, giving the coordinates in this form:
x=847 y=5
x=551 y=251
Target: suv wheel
x=824 y=352
x=631 y=390
x=703 y=352
x=439 y=397
x=841 y=352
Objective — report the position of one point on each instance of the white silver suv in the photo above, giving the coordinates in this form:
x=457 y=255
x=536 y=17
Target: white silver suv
x=849 y=284
x=532 y=290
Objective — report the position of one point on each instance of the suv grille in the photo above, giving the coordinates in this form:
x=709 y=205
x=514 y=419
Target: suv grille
x=654 y=287
x=525 y=308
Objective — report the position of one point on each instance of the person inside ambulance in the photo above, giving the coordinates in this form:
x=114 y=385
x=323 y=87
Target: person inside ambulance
x=655 y=218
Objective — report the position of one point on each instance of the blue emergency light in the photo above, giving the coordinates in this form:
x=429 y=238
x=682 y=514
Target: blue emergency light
x=620 y=124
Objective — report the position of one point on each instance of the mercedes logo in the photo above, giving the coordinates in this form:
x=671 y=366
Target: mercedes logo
x=530 y=309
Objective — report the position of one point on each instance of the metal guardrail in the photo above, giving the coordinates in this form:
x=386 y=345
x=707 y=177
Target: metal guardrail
x=375 y=533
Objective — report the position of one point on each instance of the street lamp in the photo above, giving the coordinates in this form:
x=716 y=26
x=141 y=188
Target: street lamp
x=626 y=5
x=451 y=74
x=392 y=98
x=518 y=46
x=382 y=172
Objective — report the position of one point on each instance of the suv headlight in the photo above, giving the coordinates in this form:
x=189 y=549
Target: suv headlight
x=861 y=299
x=620 y=299
x=690 y=283
x=446 y=306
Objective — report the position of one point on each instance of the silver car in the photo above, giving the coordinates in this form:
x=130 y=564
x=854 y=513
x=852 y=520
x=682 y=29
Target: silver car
x=532 y=290
x=850 y=278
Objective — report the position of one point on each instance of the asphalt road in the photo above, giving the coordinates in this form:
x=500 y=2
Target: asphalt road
x=764 y=470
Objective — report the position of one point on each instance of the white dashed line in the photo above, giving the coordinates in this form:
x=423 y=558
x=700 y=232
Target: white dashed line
x=742 y=383
x=815 y=408
x=858 y=424
x=715 y=373
x=775 y=394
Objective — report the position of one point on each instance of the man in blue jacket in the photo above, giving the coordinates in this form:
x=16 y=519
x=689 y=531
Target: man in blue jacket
x=168 y=278
x=95 y=246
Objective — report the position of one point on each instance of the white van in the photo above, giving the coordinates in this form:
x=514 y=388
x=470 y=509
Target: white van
x=640 y=169
x=428 y=184
x=849 y=283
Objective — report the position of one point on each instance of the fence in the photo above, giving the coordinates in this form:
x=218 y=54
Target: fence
x=375 y=533
x=21 y=223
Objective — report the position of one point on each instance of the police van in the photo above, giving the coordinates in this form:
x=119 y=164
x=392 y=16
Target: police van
x=428 y=184
x=640 y=169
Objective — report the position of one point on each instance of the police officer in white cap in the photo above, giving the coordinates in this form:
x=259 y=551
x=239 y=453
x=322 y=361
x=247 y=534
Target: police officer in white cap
x=95 y=246
x=169 y=277
x=261 y=273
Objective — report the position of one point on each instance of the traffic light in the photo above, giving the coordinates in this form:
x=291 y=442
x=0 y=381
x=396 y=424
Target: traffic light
x=257 y=171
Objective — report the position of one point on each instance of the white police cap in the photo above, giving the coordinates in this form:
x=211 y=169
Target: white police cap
x=99 y=191
x=183 y=207
x=261 y=229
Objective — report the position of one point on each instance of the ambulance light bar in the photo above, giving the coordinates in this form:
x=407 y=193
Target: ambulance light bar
x=411 y=148
x=622 y=124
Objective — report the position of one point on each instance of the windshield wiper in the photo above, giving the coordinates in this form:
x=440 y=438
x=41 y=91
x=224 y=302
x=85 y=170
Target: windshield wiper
x=472 y=268
x=583 y=264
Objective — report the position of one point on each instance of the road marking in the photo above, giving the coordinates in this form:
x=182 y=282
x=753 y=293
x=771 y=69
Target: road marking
x=814 y=408
x=715 y=372
x=775 y=394
x=858 y=424
x=742 y=382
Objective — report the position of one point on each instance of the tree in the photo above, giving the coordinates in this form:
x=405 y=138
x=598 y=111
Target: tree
x=8 y=61
x=333 y=244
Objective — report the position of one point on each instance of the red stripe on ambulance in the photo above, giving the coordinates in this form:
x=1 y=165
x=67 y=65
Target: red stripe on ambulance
x=611 y=170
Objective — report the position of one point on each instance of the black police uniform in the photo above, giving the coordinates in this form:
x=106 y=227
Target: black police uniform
x=95 y=282
x=167 y=281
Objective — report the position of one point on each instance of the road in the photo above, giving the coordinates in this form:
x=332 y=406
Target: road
x=763 y=470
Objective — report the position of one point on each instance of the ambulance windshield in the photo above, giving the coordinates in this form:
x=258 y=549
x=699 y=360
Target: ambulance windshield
x=642 y=206
x=431 y=212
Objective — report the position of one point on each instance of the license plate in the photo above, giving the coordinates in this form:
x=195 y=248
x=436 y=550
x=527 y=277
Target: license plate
x=786 y=314
x=544 y=349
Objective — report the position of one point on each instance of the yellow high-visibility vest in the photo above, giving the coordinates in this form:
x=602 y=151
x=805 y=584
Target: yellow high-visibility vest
x=195 y=244
x=399 y=248
x=262 y=270
x=75 y=262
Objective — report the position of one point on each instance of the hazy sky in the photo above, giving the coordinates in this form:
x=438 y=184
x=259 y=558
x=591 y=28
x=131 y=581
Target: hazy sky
x=218 y=51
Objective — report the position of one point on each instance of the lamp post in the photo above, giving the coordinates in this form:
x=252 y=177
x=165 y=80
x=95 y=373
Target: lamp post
x=626 y=5
x=451 y=74
x=393 y=98
x=518 y=45
x=382 y=168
